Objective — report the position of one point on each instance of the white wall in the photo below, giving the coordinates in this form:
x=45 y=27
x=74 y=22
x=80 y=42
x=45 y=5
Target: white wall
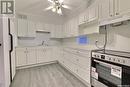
x=40 y=37
x=118 y=39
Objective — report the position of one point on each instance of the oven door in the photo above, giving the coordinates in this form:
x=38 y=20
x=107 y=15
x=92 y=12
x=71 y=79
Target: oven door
x=107 y=74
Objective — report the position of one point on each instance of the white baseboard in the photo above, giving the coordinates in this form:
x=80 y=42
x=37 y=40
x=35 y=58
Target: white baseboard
x=35 y=65
x=86 y=83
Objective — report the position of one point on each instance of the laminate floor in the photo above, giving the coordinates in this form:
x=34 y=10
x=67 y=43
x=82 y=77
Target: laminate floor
x=52 y=75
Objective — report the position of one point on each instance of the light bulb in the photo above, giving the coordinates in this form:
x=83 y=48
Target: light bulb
x=59 y=11
x=54 y=9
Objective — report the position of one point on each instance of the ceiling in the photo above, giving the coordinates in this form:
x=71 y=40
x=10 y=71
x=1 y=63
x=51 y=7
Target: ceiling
x=36 y=7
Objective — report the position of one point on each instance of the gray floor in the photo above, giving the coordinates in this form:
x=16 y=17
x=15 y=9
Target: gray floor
x=46 y=76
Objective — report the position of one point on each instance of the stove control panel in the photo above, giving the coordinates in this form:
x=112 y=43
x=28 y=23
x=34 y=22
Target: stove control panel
x=111 y=58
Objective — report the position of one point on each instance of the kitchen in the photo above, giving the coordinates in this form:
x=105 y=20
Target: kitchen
x=65 y=43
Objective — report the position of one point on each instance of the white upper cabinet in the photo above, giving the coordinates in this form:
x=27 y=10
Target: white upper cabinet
x=65 y=30
x=47 y=27
x=43 y=27
x=93 y=11
x=56 y=31
x=90 y=14
x=39 y=26
x=31 y=29
x=106 y=9
x=83 y=17
x=53 y=32
x=74 y=27
x=122 y=7
x=22 y=28
x=70 y=28
x=26 y=28
x=112 y=8
x=60 y=31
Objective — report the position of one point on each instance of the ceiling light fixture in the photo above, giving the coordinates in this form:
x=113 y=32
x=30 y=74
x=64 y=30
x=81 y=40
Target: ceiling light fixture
x=56 y=6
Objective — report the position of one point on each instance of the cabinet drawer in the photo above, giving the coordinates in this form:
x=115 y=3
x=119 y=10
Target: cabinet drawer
x=82 y=73
x=84 y=62
x=84 y=54
x=78 y=59
x=69 y=65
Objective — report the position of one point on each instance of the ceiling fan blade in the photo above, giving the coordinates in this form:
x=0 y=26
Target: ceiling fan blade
x=61 y=1
x=48 y=8
x=51 y=1
x=65 y=6
x=59 y=11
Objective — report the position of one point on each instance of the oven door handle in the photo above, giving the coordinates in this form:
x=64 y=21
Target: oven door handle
x=104 y=64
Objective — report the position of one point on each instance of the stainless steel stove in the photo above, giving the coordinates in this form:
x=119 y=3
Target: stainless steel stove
x=110 y=68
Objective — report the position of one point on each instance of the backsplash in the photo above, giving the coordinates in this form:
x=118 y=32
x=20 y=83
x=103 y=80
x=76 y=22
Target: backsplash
x=118 y=39
x=37 y=41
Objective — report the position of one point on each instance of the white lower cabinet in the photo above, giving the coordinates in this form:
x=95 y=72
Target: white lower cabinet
x=40 y=55
x=25 y=56
x=47 y=54
x=31 y=56
x=36 y=55
x=43 y=55
x=21 y=57
x=77 y=62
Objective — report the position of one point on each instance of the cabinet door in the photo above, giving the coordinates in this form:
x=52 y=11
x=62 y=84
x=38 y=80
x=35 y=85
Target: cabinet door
x=123 y=7
x=106 y=9
x=60 y=31
x=40 y=55
x=86 y=18
x=56 y=31
x=48 y=27
x=47 y=54
x=65 y=30
x=82 y=18
x=31 y=29
x=39 y=26
x=75 y=27
x=21 y=57
x=31 y=56
x=93 y=11
x=53 y=31
x=22 y=28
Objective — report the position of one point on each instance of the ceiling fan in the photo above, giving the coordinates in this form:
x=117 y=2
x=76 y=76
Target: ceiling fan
x=56 y=6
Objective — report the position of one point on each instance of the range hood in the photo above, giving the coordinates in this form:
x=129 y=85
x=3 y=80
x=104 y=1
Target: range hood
x=115 y=20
